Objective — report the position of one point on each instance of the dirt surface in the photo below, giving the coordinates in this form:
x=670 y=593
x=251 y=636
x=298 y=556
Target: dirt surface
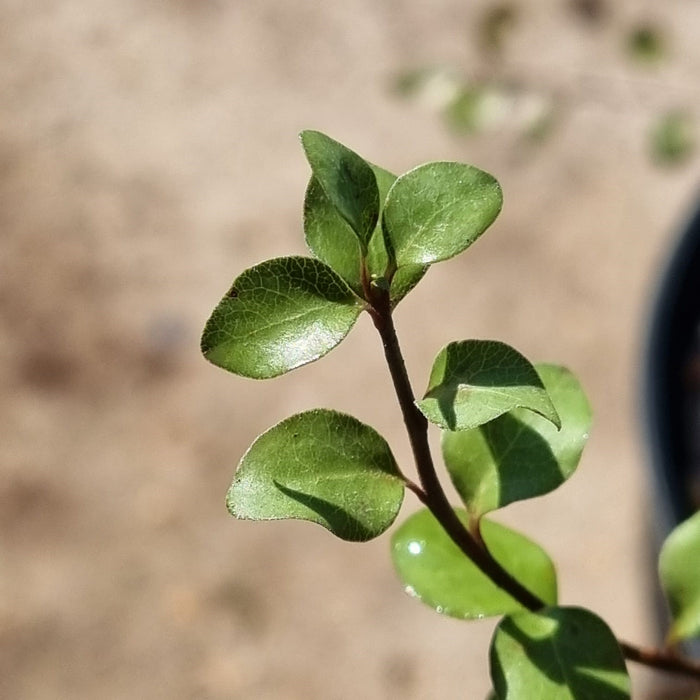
x=148 y=154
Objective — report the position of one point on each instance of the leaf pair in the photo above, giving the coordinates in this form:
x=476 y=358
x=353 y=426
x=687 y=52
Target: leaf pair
x=364 y=226
x=434 y=570
x=521 y=453
x=357 y=258
x=511 y=430
x=556 y=653
x=431 y=213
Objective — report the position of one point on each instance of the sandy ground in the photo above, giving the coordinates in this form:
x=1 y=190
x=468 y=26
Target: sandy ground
x=148 y=154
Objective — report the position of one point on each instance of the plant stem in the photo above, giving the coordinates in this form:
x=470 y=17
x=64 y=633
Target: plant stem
x=661 y=660
x=435 y=499
x=434 y=495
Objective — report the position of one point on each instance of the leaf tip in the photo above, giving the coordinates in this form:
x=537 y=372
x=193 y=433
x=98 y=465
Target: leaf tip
x=554 y=418
x=305 y=134
x=230 y=501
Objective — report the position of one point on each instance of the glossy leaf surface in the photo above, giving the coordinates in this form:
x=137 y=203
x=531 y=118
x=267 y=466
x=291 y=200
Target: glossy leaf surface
x=321 y=466
x=279 y=315
x=437 y=210
x=434 y=569
x=557 y=654
x=475 y=381
x=331 y=239
x=347 y=181
x=679 y=569
x=407 y=276
x=520 y=454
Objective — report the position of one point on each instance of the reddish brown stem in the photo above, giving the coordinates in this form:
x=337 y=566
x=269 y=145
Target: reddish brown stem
x=661 y=660
x=434 y=495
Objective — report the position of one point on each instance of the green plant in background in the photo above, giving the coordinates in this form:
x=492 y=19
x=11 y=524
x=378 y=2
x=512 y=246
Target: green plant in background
x=494 y=25
x=511 y=430
x=645 y=43
x=494 y=97
x=472 y=106
x=672 y=138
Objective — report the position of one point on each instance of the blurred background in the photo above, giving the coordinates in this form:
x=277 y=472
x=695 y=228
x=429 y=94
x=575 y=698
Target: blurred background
x=148 y=154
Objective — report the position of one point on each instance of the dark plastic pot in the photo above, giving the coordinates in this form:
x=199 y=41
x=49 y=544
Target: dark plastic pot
x=672 y=387
x=673 y=381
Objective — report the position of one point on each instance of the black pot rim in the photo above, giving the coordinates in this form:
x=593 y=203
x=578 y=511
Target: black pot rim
x=674 y=321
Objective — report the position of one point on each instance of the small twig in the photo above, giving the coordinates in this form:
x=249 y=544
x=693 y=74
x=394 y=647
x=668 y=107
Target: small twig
x=661 y=660
x=412 y=486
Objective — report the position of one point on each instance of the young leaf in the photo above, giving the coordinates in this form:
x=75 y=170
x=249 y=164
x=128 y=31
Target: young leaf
x=331 y=239
x=279 y=315
x=679 y=569
x=557 y=654
x=520 y=455
x=475 y=381
x=404 y=280
x=436 y=571
x=347 y=180
x=437 y=210
x=407 y=276
x=321 y=466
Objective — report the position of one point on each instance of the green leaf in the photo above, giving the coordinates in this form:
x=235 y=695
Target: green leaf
x=437 y=210
x=331 y=239
x=347 y=180
x=405 y=278
x=520 y=455
x=673 y=138
x=557 y=654
x=279 y=315
x=475 y=381
x=321 y=466
x=679 y=569
x=436 y=571
x=646 y=43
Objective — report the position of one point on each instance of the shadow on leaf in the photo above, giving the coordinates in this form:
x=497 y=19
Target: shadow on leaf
x=445 y=396
x=475 y=368
x=335 y=518
x=524 y=460
x=570 y=655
